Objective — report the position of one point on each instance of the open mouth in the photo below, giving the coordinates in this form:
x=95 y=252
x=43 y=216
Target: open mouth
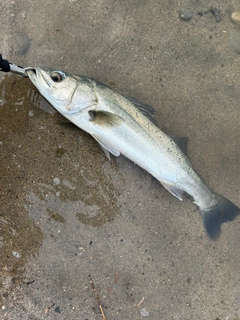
x=38 y=78
x=31 y=73
x=30 y=69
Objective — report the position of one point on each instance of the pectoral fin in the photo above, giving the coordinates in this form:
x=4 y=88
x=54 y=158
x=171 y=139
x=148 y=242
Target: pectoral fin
x=106 y=148
x=104 y=118
x=173 y=190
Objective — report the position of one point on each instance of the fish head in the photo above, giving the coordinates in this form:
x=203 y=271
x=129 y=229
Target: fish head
x=66 y=92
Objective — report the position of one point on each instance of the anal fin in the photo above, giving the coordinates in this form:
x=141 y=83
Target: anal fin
x=173 y=190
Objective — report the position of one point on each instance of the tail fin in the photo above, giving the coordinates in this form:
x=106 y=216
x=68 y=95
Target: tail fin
x=213 y=217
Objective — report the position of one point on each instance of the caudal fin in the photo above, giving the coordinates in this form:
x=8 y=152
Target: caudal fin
x=213 y=217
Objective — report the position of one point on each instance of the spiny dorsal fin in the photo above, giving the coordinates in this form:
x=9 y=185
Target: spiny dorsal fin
x=145 y=108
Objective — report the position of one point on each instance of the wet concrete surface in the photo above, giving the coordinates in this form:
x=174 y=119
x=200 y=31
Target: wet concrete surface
x=67 y=212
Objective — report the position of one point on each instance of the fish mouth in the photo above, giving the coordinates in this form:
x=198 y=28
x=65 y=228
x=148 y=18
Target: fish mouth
x=30 y=69
x=31 y=73
x=39 y=78
x=46 y=78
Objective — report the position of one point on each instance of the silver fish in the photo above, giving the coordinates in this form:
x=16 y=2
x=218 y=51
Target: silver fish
x=122 y=126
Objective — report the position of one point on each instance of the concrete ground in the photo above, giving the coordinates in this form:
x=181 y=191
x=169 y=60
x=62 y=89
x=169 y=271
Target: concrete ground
x=67 y=212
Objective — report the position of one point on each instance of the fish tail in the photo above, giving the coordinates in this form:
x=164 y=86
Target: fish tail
x=214 y=216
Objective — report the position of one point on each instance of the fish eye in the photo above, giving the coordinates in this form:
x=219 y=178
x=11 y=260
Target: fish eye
x=57 y=76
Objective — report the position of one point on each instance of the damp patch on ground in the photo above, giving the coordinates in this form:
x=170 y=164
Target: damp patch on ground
x=44 y=166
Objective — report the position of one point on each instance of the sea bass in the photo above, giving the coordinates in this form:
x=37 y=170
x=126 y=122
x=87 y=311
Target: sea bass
x=122 y=126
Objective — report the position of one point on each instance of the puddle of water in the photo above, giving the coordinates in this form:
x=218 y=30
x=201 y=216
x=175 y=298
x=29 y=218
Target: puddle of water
x=92 y=202
x=49 y=166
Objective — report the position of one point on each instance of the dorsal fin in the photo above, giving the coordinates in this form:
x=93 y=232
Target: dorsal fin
x=145 y=108
x=181 y=142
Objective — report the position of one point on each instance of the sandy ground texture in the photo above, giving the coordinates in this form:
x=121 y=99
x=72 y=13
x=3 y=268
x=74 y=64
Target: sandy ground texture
x=67 y=213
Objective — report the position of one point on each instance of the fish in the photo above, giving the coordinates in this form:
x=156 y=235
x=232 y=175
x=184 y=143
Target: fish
x=123 y=125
